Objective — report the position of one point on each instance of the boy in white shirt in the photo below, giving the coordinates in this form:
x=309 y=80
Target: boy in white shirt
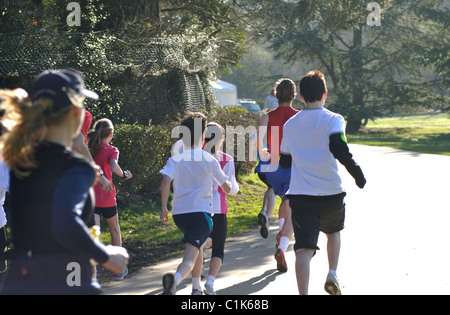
x=312 y=141
x=193 y=173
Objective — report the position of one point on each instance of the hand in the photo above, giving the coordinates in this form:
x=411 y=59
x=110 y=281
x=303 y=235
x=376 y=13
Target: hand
x=164 y=215
x=265 y=154
x=105 y=184
x=118 y=259
x=361 y=183
x=127 y=174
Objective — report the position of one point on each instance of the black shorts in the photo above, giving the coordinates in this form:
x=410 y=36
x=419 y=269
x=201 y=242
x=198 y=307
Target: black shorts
x=314 y=214
x=196 y=227
x=107 y=213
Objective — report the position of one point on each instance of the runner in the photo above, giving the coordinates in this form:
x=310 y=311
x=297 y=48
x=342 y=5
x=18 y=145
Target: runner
x=215 y=135
x=193 y=173
x=269 y=200
x=312 y=142
x=107 y=157
x=49 y=187
x=273 y=123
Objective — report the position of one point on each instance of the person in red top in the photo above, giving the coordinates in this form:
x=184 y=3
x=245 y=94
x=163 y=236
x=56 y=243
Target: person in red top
x=107 y=156
x=271 y=125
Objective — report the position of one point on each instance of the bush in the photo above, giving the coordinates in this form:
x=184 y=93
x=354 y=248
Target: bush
x=144 y=151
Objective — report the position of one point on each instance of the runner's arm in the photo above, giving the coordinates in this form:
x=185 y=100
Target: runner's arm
x=340 y=150
x=67 y=226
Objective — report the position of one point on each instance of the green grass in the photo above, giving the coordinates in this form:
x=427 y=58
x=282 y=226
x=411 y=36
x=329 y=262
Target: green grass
x=148 y=240
x=424 y=132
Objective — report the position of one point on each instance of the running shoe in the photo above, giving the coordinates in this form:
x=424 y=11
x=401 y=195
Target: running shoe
x=281 y=261
x=209 y=290
x=261 y=217
x=121 y=275
x=197 y=292
x=168 y=281
x=332 y=285
x=264 y=225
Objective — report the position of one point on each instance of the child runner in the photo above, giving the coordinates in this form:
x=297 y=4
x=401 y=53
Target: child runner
x=215 y=135
x=312 y=142
x=269 y=200
x=273 y=123
x=106 y=156
x=193 y=174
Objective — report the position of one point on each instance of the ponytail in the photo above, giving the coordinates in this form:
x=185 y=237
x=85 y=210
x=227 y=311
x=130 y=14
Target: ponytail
x=25 y=124
x=24 y=128
x=102 y=130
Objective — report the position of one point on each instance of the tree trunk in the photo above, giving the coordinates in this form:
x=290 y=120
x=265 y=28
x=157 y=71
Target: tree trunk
x=153 y=12
x=357 y=81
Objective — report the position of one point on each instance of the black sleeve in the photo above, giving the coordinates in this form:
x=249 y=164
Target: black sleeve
x=340 y=150
x=68 y=203
x=285 y=161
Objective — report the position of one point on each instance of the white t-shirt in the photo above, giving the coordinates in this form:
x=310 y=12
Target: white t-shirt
x=306 y=137
x=4 y=186
x=193 y=173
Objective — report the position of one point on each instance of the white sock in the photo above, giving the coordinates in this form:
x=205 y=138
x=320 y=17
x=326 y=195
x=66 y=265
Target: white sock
x=210 y=280
x=333 y=272
x=281 y=223
x=196 y=284
x=284 y=243
x=177 y=278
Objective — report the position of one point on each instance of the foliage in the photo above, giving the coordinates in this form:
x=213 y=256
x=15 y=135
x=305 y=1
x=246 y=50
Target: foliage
x=372 y=70
x=144 y=151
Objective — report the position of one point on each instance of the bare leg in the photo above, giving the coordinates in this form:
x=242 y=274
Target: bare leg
x=302 y=269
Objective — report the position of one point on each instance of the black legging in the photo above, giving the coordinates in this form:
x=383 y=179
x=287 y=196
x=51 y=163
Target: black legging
x=219 y=235
x=3 y=243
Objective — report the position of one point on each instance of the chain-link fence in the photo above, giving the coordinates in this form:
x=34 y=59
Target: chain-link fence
x=138 y=80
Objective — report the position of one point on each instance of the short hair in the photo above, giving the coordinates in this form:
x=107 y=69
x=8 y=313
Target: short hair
x=312 y=86
x=285 y=90
x=190 y=123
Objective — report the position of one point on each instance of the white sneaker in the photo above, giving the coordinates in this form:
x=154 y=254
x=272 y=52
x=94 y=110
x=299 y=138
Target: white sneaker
x=121 y=275
x=209 y=290
x=332 y=285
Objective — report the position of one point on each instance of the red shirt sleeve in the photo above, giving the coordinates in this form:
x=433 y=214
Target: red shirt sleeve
x=86 y=125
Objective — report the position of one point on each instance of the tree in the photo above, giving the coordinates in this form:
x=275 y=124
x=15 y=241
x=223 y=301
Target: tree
x=372 y=70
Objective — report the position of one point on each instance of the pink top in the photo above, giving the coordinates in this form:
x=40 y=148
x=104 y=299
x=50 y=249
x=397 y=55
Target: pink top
x=105 y=154
x=220 y=204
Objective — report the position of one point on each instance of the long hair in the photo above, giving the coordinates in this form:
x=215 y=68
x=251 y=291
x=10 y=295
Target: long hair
x=25 y=127
x=102 y=130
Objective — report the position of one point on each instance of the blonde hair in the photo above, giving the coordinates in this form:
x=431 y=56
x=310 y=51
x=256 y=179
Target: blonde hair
x=26 y=126
x=102 y=130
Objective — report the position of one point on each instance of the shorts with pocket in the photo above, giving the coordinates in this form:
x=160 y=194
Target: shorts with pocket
x=314 y=214
x=196 y=227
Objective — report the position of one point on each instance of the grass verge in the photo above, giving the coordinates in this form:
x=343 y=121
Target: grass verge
x=424 y=132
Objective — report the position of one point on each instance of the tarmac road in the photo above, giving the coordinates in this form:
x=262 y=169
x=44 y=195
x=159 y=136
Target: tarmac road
x=396 y=239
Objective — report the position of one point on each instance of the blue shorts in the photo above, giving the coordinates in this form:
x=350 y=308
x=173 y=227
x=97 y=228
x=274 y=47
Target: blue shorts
x=279 y=180
x=196 y=227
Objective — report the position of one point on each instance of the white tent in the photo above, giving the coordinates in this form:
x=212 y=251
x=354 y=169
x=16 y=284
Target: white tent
x=225 y=92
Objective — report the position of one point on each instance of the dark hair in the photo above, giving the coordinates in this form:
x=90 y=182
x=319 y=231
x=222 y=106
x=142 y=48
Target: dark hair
x=190 y=123
x=285 y=90
x=213 y=131
x=313 y=86
x=102 y=130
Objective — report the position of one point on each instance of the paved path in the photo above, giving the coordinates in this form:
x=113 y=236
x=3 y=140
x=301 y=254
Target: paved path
x=396 y=239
